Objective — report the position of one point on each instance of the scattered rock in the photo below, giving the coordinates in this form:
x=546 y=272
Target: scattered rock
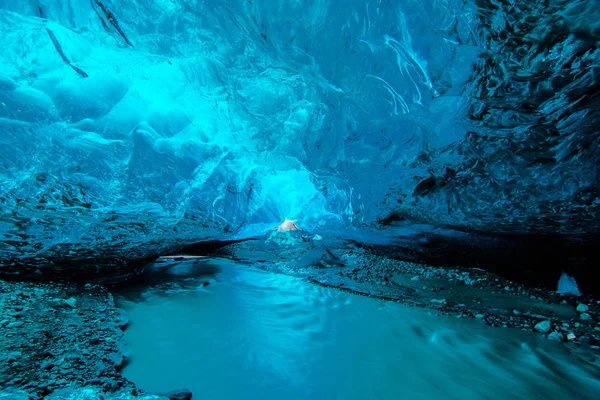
x=479 y=316
x=585 y=316
x=71 y=302
x=51 y=346
x=571 y=336
x=556 y=336
x=183 y=394
x=582 y=308
x=543 y=327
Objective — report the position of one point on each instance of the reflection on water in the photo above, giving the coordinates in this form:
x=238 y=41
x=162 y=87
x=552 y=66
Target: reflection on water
x=255 y=335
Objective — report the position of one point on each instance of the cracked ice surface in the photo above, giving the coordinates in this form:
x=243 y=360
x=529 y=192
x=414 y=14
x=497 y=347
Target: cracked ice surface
x=132 y=128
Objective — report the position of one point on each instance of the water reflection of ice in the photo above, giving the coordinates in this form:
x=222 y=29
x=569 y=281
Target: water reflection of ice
x=256 y=335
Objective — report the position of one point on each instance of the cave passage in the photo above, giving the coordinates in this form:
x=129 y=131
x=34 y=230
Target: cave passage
x=299 y=199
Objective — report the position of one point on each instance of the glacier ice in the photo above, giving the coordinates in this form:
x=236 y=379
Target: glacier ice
x=567 y=285
x=129 y=129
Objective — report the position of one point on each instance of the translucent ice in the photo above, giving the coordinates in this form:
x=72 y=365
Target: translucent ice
x=131 y=128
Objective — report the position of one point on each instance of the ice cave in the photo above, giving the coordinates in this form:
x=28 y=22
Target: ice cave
x=299 y=199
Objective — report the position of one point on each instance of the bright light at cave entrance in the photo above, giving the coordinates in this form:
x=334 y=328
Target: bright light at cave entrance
x=287 y=225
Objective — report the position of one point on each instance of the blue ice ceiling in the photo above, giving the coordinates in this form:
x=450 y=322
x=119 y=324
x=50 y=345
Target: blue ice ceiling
x=129 y=128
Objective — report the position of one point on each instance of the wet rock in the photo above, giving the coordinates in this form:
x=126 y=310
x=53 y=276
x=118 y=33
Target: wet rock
x=183 y=394
x=115 y=358
x=585 y=316
x=71 y=302
x=556 y=336
x=479 y=316
x=543 y=327
x=571 y=336
x=582 y=308
x=121 y=319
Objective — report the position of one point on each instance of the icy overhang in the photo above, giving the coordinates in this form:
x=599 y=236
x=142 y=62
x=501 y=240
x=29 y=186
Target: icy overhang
x=132 y=128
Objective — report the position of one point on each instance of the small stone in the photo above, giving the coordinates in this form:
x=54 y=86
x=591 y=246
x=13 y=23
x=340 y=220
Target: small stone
x=585 y=316
x=555 y=336
x=565 y=325
x=183 y=394
x=415 y=278
x=479 y=316
x=582 y=308
x=47 y=365
x=571 y=336
x=516 y=312
x=563 y=302
x=71 y=302
x=543 y=327
x=577 y=324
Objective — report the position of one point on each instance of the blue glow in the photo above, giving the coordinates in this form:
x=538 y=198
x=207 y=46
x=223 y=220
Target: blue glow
x=179 y=121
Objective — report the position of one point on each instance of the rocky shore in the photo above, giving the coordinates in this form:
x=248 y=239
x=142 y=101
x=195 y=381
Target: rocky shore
x=63 y=341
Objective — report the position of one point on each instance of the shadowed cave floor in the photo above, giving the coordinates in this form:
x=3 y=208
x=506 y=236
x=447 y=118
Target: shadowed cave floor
x=184 y=313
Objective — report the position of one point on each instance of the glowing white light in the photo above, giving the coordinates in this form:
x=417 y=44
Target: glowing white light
x=287 y=225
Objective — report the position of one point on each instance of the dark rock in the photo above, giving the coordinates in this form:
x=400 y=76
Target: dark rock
x=182 y=394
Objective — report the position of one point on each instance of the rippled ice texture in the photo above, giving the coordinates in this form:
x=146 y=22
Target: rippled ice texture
x=255 y=335
x=132 y=127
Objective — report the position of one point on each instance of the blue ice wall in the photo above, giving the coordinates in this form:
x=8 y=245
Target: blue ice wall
x=129 y=128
